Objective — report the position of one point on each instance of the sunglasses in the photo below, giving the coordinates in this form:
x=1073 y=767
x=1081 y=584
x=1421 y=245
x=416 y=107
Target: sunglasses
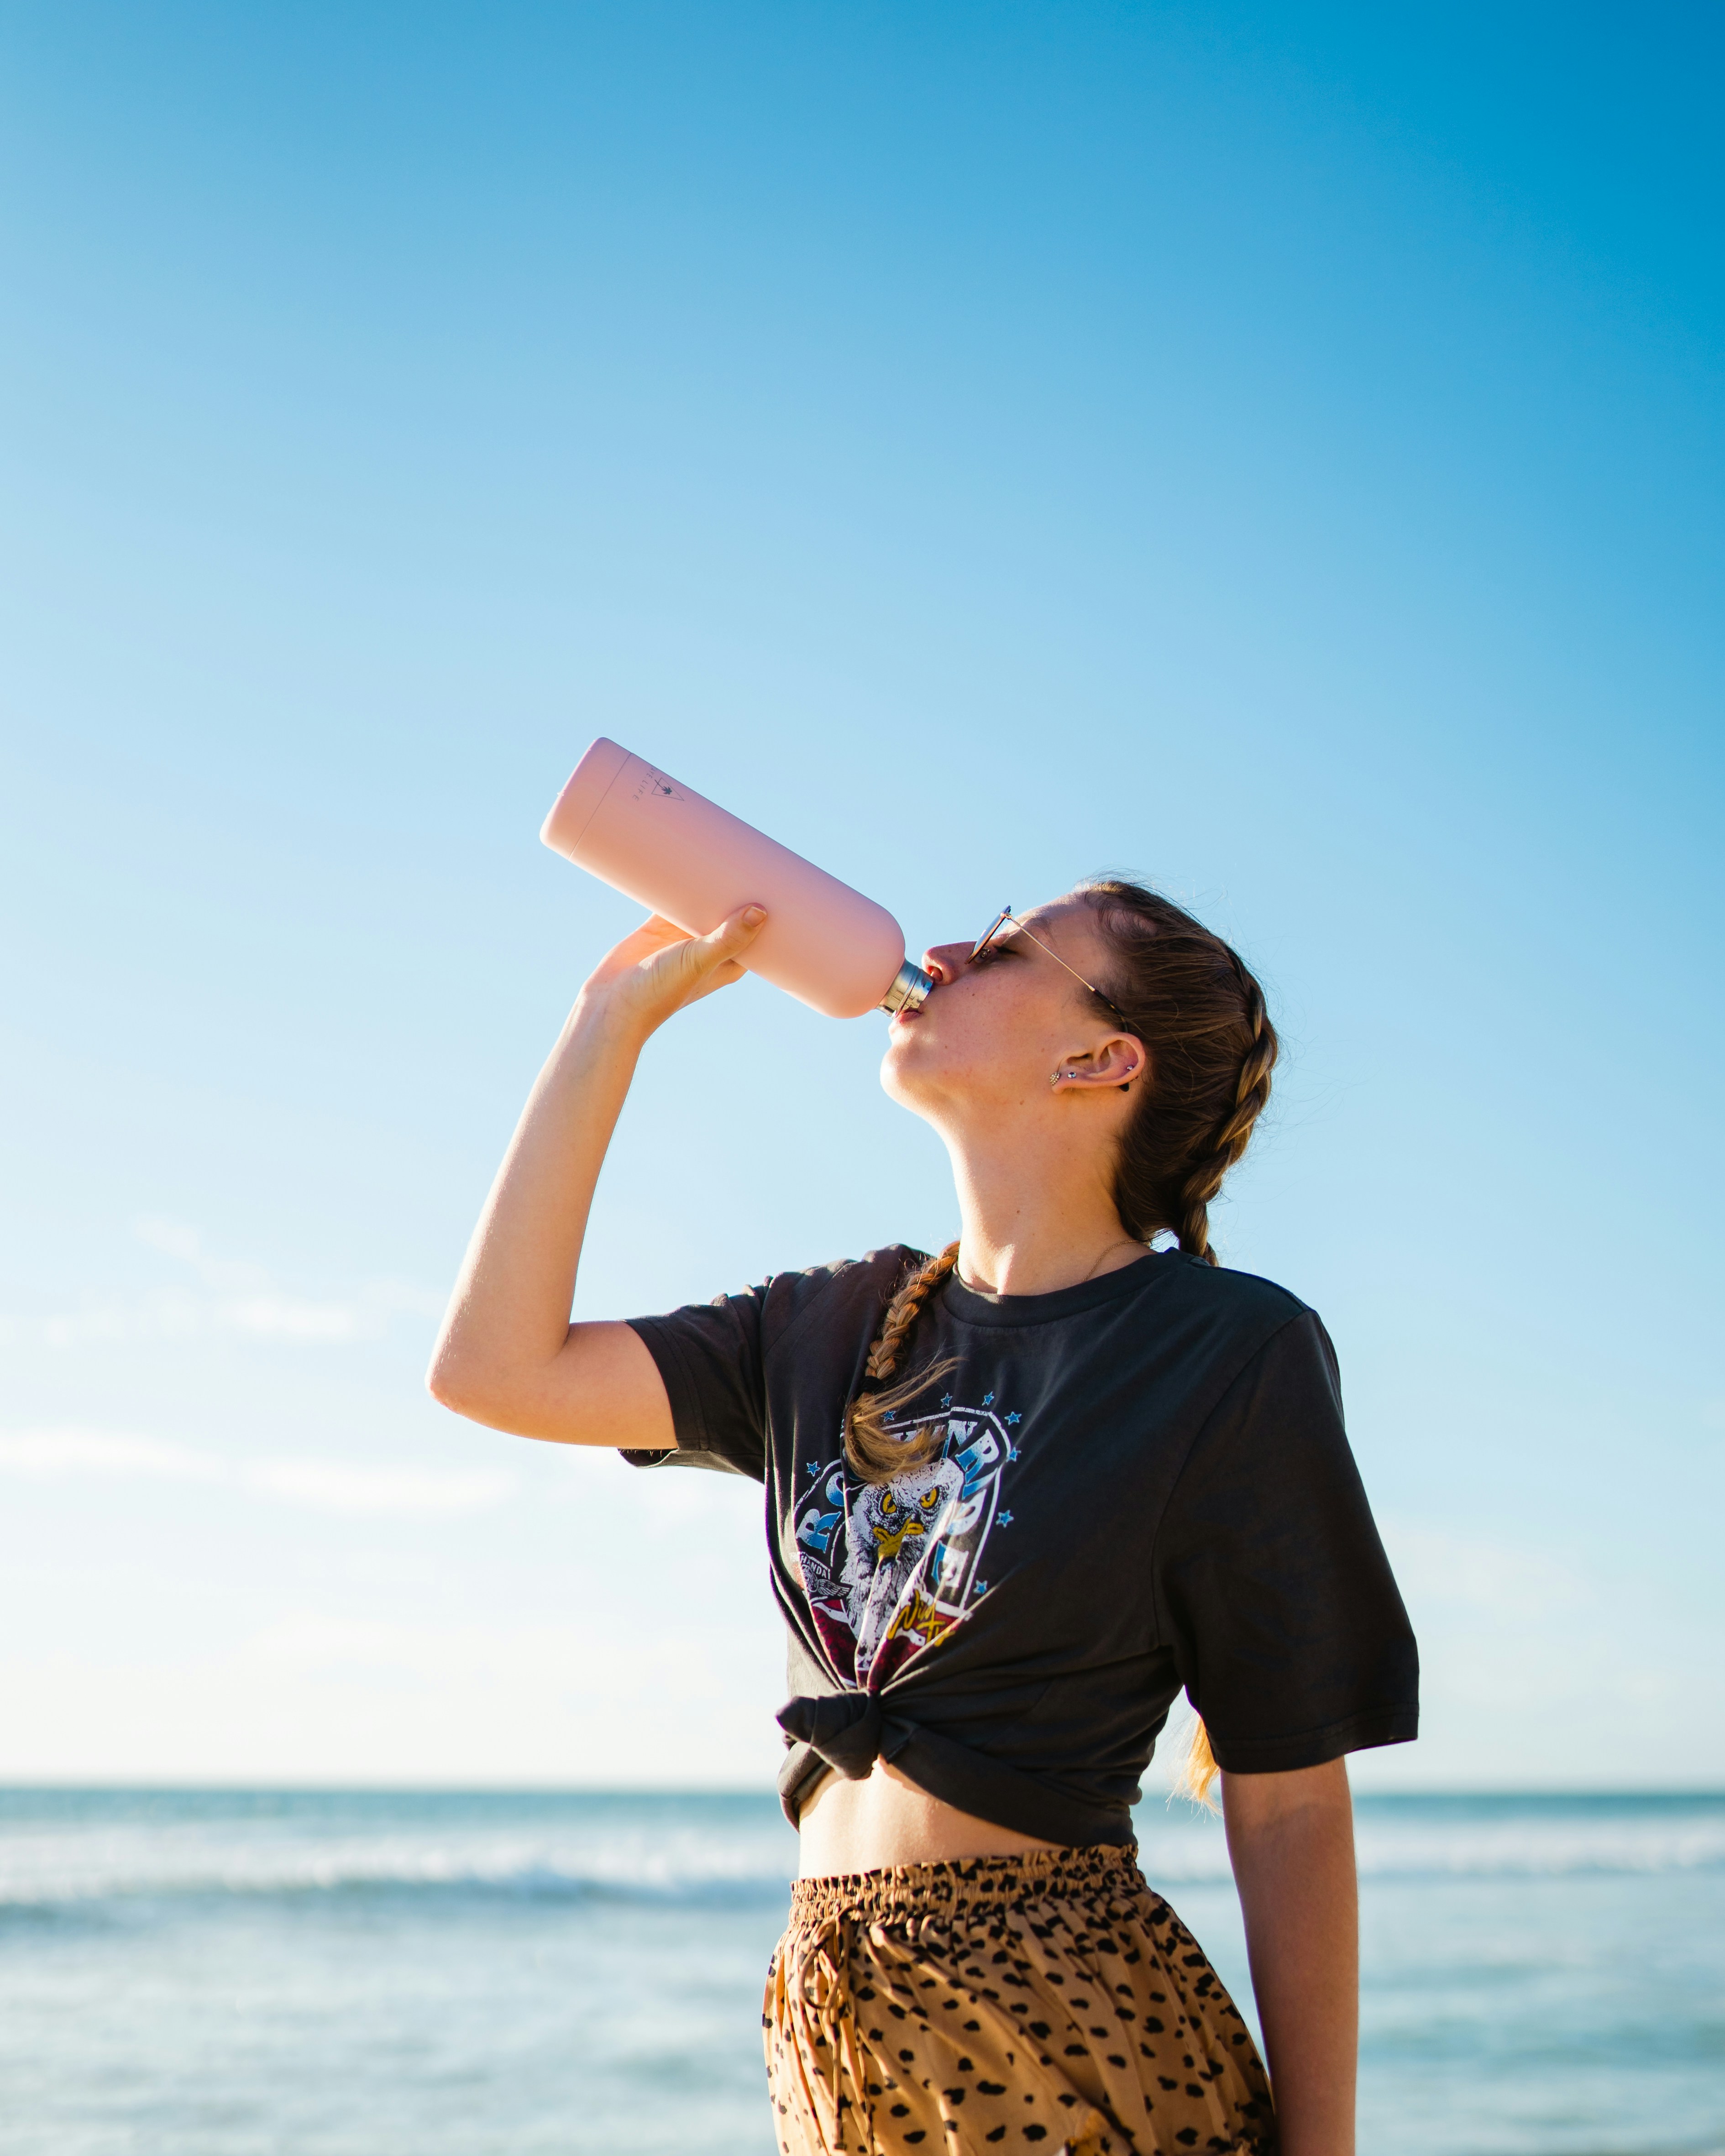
x=1006 y=918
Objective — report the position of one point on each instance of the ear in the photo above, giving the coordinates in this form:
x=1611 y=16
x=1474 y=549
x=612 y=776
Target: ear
x=1117 y=1062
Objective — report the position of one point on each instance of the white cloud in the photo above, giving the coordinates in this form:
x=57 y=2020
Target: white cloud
x=173 y=1236
x=40 y=1453
x=230 y=1296
x=327 y=1485
x=1489 y=1579
x=332 y=1694
x=543 y=1662
x=334 y=1487
x=274 y=1316
x=312 y=1640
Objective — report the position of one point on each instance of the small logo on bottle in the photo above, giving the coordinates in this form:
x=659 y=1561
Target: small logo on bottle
x=656 y=785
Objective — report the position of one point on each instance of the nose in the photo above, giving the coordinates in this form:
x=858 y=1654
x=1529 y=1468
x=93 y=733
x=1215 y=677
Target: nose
x=945 y=962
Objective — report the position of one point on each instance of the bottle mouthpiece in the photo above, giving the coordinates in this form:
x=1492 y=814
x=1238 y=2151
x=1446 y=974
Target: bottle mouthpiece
x=909 y=990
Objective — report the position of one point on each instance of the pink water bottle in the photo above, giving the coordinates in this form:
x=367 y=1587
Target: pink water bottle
x=689 y=859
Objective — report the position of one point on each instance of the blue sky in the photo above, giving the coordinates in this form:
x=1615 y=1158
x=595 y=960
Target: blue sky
x=1276 y=451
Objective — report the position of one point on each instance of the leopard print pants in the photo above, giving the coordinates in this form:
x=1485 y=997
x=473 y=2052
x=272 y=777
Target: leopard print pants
x=1000 y=2003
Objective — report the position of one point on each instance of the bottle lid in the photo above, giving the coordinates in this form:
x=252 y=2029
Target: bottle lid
x=909 y=990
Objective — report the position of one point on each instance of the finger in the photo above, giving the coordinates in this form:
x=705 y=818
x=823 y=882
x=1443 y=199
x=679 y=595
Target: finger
x=713 y=962
x=731 y=938
x=738 y=930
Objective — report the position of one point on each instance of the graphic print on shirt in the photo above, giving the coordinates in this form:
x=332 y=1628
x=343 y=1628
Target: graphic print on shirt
x=889 y=1566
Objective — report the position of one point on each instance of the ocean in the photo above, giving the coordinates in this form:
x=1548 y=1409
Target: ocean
x=294 y=1974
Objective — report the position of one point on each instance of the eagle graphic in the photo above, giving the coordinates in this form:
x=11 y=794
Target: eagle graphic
x=896 y=1527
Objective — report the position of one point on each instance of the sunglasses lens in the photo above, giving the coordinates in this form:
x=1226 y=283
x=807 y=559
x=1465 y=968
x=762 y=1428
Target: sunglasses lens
x=990 y=932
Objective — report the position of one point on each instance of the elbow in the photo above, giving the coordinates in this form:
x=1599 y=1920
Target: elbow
x=443 y=1384
x=483 y=1394
x=455 y=1383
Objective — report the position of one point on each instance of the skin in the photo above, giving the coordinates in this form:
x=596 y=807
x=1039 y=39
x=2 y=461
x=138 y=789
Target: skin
x=1022 y=1077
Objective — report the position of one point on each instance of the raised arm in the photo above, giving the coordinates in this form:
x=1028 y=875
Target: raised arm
x=507 y=1354
x=1290 y=1837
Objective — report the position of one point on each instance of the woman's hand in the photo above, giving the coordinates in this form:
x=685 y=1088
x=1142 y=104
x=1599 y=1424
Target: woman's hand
x=507 y=1354
x=658 y=968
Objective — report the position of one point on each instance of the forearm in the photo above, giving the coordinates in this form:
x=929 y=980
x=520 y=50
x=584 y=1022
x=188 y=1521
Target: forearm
x=507 y=1354
x=1290 y=1837
x=509 y=1315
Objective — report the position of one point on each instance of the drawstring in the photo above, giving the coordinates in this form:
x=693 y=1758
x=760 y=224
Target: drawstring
x=818 y=1959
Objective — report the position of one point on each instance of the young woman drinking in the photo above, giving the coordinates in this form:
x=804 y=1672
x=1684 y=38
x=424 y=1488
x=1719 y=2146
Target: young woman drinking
x=1019 y=1495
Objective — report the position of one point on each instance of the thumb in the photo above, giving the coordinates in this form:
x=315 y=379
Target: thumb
x=746 y=924
x=729 y=939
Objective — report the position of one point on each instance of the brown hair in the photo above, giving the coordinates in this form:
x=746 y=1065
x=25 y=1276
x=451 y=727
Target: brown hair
x=1189 y=997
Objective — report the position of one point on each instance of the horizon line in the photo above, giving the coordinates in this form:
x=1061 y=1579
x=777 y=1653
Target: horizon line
x=57 y=1786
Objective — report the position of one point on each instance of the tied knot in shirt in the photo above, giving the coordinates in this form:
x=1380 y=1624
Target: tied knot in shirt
x=847 y=1729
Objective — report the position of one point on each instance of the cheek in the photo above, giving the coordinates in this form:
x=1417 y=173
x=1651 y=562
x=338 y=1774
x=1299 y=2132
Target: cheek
x=974 y=1047
x=954 y=1036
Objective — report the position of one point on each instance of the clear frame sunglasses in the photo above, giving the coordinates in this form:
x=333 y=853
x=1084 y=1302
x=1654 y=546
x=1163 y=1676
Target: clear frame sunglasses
x=1006 y=918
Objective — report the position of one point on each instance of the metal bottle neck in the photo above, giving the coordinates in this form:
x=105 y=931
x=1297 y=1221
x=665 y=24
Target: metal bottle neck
x=909 y=990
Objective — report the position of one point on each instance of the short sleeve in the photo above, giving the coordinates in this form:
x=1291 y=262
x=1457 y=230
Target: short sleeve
x=709 y=1355
x=1271 y=1583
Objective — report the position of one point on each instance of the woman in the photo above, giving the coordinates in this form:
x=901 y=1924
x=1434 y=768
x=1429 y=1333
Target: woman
x=1020 y=1494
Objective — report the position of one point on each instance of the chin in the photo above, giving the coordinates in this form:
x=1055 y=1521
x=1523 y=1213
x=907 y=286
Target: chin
x=903 y=1072
x=917 y=1075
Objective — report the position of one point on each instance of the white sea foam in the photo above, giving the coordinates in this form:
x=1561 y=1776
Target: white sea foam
x=103 y=1861
x=1544 y=1847
x=1454 y=1841
x=685 y=1848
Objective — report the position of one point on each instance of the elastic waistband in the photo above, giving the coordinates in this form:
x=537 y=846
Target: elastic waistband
x=926 y=1889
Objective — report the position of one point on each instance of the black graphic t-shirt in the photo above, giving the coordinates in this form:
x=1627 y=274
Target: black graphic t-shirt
x=1142 y=1483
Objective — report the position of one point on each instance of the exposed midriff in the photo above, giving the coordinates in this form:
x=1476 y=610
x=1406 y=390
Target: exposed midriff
x=870 y=1825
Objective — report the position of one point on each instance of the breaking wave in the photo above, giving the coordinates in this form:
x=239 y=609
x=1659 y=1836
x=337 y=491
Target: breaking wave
x=704 y=1850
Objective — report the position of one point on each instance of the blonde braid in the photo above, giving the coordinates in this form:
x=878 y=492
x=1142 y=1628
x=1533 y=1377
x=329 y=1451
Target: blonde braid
x=876 y=1454
x=906 y=1307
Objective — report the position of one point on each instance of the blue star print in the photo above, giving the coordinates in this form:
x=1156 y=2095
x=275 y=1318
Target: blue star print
x=1014 y=1418
x=946 y=1399
x=1006 y=1519
x=1012 y=1452
x=987 y=1400
x=812 y=1466
x=981 y=1587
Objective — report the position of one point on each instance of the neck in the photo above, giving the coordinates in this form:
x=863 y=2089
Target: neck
x=1030 y=1226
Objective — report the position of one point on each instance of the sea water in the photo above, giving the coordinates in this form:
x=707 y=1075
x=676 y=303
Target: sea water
x=299 y=1974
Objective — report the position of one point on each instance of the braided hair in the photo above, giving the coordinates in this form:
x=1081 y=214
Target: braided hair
x=1189 y=997
x=874 y=1453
